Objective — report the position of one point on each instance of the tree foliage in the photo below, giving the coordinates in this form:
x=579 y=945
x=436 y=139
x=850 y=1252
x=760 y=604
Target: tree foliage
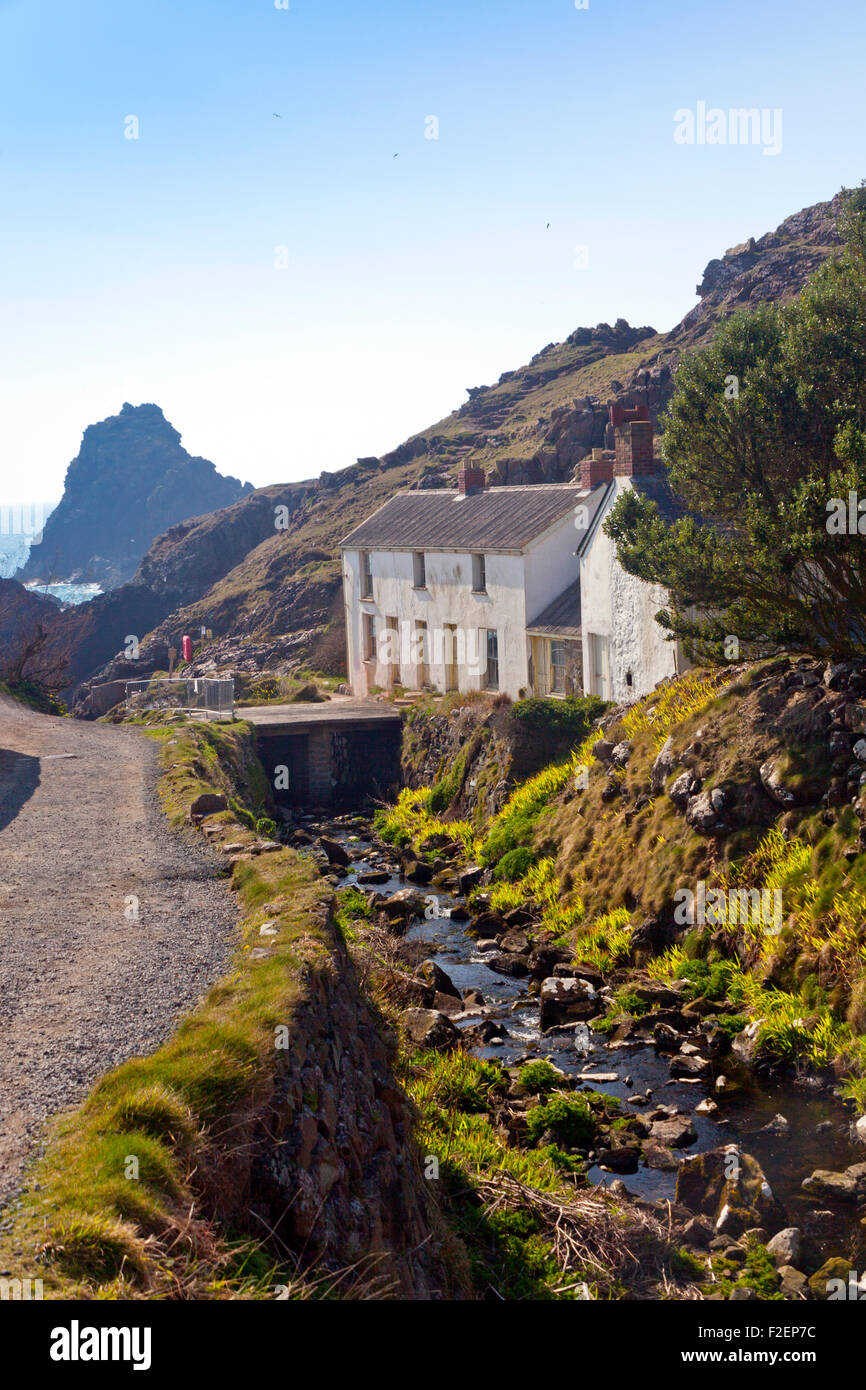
x=765 y=442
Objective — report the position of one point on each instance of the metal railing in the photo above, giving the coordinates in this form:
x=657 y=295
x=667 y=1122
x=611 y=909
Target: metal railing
x=215 y=699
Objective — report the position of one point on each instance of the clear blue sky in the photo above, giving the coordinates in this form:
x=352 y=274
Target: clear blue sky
x=144 y=270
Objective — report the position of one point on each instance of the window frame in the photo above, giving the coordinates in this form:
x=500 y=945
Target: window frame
x=479 y=571
x=558 y=666
x=492 y=660
x=419 y=569
x=366 y=559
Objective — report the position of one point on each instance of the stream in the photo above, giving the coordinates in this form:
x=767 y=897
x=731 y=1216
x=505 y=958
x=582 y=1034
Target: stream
x=819 y=1133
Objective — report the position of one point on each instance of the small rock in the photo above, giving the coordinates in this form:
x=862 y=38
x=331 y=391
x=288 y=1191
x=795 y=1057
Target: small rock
x=785 y=1246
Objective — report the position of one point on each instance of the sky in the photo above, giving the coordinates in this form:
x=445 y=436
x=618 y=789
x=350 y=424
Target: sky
x=305 y=231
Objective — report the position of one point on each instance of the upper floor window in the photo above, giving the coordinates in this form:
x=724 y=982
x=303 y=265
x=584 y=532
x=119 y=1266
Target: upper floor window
x=419 y=570
x=366 y=574
x=479 y=574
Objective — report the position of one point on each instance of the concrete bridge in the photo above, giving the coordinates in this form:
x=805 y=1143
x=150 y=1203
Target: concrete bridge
x=335 y=754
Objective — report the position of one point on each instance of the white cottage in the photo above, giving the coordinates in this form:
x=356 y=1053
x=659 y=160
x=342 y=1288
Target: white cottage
x=509 y=588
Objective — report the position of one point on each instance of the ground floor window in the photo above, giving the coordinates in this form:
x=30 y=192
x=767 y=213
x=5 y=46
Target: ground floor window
x=492 y=660
x=598 y=666
x=369 y=621
x=558 y=667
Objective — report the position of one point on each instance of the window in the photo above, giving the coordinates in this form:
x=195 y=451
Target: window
x=492 y=660
x=557 y=667
x=479 y=574
x=419 y=569
x=598 y=665
x=366 y=574
x=369 y=637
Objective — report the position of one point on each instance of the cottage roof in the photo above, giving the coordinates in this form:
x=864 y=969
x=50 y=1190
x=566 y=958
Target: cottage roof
x=497 y=518
x=561 y=618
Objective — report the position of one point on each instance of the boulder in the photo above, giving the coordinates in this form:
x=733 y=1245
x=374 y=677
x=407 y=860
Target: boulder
x=785 y=1246
x=792 y=1284
x=567 y=1001
x=335 y=852
x=676 y=1133
x=506 y=963
x=207 y=804
x=429 y=1028
x=701 y=814
x=685 y=786
x=404 y=904
x=407 y=991
x=772 y=783
x=623 y=1159
x=690 y=1066
x=469 y=878
x=662 y=767
x=830 y=1186
x=434 y=975
x=831 y=1280
x=417 y=871
x=728 y=1186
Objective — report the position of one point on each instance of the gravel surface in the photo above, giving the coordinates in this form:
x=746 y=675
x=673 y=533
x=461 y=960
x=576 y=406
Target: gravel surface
x=83 y=986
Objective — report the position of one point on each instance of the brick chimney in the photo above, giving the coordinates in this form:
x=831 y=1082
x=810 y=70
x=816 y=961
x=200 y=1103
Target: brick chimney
x=470 y=480
x=596 y=468
x=633 y=441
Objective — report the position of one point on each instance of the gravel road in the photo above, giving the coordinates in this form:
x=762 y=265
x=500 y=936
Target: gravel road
x=82 y=985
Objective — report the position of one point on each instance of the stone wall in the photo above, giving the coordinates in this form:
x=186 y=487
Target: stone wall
x=327 y=1163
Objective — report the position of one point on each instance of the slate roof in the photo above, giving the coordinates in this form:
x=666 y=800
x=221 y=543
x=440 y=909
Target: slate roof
x=561 y=618
x=499 y=518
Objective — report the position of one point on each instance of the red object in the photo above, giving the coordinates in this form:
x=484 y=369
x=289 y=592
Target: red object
x=186 y=645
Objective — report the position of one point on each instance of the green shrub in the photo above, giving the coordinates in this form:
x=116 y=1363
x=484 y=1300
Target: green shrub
x=569 y=1119
x=539 y=1077
x=514 y=864
x=266 y=828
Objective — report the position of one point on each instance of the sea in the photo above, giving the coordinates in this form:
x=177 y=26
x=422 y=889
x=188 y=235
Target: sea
x=66 y=592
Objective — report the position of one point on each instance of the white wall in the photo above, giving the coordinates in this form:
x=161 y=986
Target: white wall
x=447 y=598
x=622 y=608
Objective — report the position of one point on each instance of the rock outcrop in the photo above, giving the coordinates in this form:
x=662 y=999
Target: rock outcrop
x=130 y=481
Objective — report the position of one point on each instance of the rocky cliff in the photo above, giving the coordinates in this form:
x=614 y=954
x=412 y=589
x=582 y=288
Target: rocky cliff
x=130 y=481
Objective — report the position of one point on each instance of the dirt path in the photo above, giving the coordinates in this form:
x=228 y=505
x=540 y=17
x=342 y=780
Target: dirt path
x=83 y=986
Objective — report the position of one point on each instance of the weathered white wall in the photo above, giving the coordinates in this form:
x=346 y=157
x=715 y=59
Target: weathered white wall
x=447 y=598
x=622 y=608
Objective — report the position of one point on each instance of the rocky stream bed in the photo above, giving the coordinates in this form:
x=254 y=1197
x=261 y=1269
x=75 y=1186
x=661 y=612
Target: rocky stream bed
x=734 y=1156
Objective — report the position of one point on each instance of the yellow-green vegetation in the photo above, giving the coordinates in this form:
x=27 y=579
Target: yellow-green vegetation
x=818 y=950
x=410 y=822
x=658 y=714
x=114 y=1207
